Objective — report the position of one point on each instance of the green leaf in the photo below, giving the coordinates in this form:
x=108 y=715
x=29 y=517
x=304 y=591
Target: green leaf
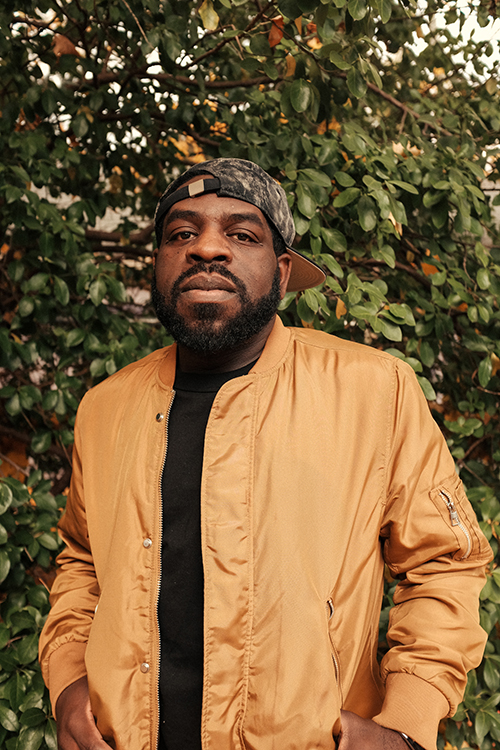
x=339 y=61
x=4 y=565
x=346 y=197
x=305 y=200
x=427 y=354
x=344 y=179
x=41 y=441
x=429 y=392
x=385 y=8
x=48 y=541
x=334 y=239
x=367 y=213
x=483 y=278
x=316 y=177
x=356 y=83
x=51 y=735
x=75 y=337
x=357 y=9
x=30 y=738
x=482 y=725
x=37 y=282
x=8 y=719
x=26 y=306
x=405 y=186
x=485 y=371
x=300 y=95
x=389 y=330
x=332 y=265
x=6 y=497
x=61 y=290
x=97 y=291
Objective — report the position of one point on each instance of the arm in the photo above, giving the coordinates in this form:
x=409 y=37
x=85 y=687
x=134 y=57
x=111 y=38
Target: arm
x=434 y=633
x=74 y=595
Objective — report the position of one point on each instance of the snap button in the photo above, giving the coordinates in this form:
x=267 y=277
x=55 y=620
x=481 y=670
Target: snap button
x=145 y=667
x=160 y=417
x=147 y=543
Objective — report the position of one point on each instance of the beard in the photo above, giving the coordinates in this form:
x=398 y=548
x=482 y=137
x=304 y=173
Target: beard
x=210 y=332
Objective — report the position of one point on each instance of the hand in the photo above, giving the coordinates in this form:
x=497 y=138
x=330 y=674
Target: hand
x=76 y=729
x=365 y=734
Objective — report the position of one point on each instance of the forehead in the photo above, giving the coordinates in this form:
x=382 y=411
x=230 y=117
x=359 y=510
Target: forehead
x=212 y=207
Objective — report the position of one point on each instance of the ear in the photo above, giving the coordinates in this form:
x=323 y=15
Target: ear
x=285 y=266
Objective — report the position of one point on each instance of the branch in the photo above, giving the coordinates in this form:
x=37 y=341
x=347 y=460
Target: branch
x=24 y=437
x=126 y=251
x=371 y=262
x=143 y=237
x=222 y=43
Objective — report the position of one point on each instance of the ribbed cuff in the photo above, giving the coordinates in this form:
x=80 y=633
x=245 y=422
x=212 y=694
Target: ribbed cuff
x=414 y=707
x=66 y=665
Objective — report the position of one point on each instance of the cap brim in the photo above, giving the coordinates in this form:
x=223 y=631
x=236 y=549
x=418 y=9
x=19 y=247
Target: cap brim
x=305 y=274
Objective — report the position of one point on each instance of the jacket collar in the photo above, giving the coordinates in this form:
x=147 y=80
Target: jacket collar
x=274 y=350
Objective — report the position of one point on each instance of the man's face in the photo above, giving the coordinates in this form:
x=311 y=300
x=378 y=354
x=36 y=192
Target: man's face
x=217 y=280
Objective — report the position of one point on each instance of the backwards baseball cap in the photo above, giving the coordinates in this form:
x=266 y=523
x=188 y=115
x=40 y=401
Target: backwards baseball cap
x=246 y=181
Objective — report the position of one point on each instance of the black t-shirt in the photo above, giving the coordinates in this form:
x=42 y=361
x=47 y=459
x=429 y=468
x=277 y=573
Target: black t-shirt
x=180 y=606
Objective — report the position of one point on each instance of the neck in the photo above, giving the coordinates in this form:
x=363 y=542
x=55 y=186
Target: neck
x=226 y=360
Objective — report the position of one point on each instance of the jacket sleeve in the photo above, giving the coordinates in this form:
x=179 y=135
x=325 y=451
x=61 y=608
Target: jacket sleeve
x=74 y=595
x=433 y=545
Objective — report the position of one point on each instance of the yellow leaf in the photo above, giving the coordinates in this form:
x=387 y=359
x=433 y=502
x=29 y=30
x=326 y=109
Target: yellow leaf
x=298 y=24
x=314 y=43
x=4 y=249
x=208 y=15
x=491 y=86
x=276 y=33
x=291 y=64
x=63 y=46
x=429 y=269
x=438 y=72
x=397 y=226
x=495 y=361
x=340 y=309
x=420 y=33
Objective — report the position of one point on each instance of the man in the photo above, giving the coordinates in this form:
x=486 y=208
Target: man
x=233 y=502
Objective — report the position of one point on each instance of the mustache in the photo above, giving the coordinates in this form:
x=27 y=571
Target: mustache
x=201 y=267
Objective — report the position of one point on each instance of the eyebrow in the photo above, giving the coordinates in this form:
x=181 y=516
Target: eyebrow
x=177 y=213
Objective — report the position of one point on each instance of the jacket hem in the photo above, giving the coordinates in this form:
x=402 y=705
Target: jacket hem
x=414 y=707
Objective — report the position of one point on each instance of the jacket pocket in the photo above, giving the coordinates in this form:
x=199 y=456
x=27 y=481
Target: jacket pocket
x=452 y=503
x=330 y=611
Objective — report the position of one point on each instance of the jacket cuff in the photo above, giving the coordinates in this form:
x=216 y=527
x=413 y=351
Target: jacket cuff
x=414 y=707
x=66 y=665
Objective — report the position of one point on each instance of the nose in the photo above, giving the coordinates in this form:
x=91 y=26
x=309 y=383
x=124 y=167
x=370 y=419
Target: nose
x=210 y=245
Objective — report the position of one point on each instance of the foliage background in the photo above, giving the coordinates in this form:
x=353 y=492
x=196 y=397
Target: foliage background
x=381 y=121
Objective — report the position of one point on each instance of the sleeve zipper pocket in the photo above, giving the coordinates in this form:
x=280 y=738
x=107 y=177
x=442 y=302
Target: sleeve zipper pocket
x=455 y=520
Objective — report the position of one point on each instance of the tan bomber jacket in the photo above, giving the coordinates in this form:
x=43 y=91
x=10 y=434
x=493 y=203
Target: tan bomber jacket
x=320 y=464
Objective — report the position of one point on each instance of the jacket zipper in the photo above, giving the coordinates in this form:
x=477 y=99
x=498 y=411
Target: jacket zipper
x=455 y=520
x=336 y=665
x=160 y=541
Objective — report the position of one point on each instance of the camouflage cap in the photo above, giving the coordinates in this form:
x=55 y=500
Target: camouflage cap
x=246 y=181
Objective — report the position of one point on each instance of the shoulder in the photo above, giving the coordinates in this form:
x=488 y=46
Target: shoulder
x=342 y=348
x=128 y=381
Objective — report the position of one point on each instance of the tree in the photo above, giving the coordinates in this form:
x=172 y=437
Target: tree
x=379 y=118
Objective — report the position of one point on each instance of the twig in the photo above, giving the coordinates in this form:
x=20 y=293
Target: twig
x=13 y=463
x=137 y=22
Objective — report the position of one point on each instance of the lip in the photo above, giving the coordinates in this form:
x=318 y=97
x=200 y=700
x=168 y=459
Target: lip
x=207 y=283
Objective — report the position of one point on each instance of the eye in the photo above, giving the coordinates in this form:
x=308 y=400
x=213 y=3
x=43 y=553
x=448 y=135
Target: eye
x=182 y=234
x=243 y=236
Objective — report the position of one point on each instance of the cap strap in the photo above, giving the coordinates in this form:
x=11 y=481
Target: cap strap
x=203 y=185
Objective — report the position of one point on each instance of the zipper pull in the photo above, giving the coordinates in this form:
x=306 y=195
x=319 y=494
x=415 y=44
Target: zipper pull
x=454 y=518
